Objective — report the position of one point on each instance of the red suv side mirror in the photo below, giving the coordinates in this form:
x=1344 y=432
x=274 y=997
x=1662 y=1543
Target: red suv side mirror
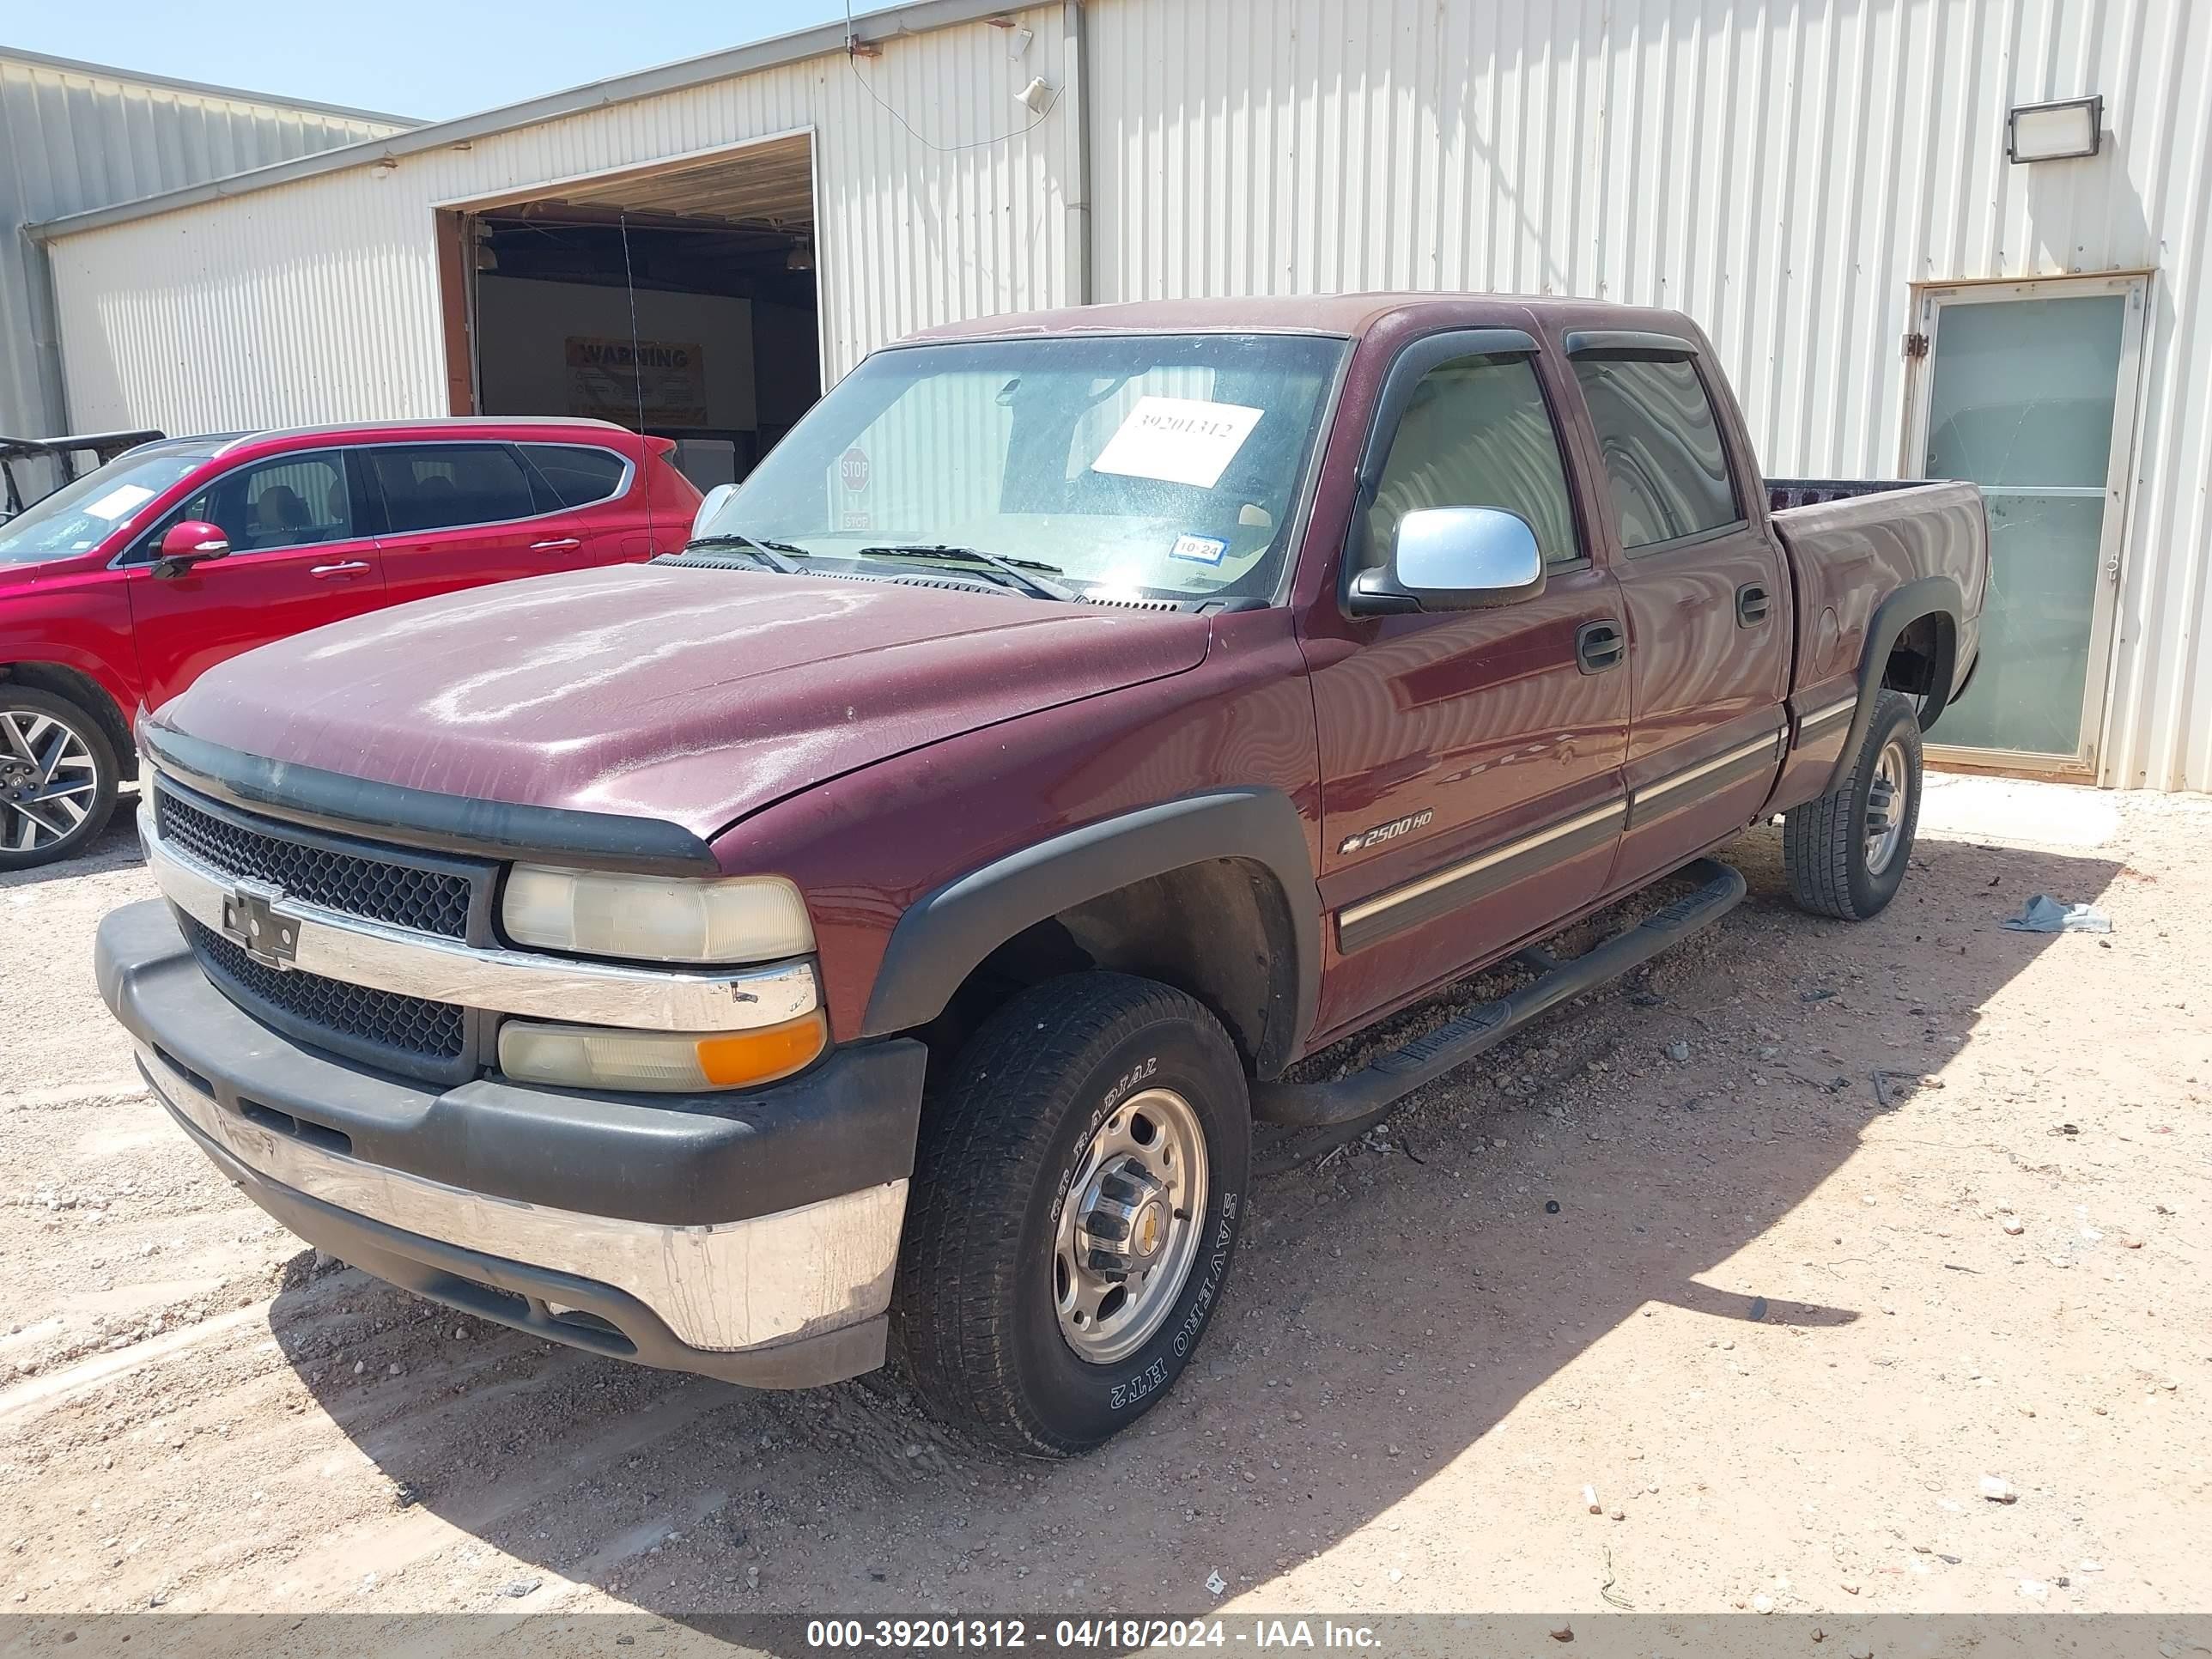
x=188 y=542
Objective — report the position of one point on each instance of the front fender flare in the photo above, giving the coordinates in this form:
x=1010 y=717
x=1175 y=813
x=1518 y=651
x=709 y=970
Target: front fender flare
x=947 y=932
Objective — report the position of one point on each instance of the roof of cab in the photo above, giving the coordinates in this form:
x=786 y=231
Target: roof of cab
x=1347 y=315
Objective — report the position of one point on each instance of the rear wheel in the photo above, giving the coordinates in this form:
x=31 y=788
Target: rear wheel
x=58 y=776
x=1077 y=1194
x=1846 y=853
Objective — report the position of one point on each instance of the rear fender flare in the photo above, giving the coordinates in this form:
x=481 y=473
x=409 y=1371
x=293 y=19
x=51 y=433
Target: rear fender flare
x=1930 y=596
x=947 y=932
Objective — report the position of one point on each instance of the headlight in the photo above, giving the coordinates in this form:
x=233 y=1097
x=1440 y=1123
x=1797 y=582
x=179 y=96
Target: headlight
x=660 y=1062
x=656 y=918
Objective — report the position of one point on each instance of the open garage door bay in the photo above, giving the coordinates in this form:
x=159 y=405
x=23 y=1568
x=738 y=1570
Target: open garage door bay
x=679 y=298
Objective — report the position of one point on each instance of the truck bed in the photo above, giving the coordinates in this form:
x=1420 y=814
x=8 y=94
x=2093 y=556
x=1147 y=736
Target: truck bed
x=1851 y=543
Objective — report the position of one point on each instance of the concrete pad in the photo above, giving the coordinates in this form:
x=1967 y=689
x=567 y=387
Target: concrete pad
x=2017 y=811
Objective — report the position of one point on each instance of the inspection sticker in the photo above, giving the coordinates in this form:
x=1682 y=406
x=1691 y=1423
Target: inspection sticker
x=1178 y=440
x=1205 y=549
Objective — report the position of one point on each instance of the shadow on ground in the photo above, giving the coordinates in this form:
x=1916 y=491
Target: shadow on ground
x=1387 y=1311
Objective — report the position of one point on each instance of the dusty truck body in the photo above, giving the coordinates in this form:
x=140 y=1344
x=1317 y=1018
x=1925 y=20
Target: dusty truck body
x=889 y=915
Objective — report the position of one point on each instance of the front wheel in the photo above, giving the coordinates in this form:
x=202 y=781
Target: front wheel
x=1077 y=1194
x=58 y=777
x=1846 y=853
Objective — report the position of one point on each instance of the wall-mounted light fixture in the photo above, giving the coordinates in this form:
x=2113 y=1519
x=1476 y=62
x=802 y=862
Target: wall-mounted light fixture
x=2055 y=132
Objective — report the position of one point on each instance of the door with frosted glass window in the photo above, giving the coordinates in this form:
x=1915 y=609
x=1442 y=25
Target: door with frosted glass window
x=2028 y=389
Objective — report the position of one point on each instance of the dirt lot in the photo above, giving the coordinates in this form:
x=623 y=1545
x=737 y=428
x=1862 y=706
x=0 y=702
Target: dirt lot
x=1925 y=1202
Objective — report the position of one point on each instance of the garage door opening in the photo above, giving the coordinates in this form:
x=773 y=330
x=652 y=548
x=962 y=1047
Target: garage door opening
x=679 y=298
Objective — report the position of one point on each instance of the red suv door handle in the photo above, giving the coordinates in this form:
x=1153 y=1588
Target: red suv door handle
x=558 y=544
x=343 y=572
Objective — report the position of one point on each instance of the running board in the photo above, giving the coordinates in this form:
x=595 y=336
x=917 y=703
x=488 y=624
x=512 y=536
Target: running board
x=1369 y=1093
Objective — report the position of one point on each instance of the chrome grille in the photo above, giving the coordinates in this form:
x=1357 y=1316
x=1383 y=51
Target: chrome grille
x=405 y=896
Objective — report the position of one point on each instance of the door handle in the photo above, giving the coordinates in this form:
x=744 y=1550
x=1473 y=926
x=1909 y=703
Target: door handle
x=558 y=544
x=1599 y=646
x=340 y=572
x=1751 y=605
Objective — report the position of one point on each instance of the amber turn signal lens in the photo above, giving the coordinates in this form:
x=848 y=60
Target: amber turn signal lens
x=661 y=1062
x=729 y=1061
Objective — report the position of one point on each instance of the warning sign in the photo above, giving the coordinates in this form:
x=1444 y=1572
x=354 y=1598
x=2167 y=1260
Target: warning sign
x=610 y=379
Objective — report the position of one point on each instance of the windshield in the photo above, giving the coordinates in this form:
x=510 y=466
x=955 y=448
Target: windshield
x=1160 y=466
x=78 y=517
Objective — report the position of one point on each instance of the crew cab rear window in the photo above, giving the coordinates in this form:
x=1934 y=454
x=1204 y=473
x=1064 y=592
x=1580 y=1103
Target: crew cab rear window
x=1477 y=434
x=1666 y=466
x=439 y=486
x=576 y=476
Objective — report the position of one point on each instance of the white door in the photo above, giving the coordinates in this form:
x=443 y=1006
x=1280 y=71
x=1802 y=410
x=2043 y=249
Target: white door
x=2028 y=389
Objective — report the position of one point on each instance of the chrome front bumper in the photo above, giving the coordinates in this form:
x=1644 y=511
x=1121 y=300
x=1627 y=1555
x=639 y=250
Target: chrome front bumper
x=751 y=1236
x=743 y=1285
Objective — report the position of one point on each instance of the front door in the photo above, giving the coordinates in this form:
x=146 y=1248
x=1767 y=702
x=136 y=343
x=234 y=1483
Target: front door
x=1470 y=762
x=2028 y=389
x=298 y=559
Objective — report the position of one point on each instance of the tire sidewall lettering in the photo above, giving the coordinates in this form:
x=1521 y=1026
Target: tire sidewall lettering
x=1158 y=1363
x=1121 y=1088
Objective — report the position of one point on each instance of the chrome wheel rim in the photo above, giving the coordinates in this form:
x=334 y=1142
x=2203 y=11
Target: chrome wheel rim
x=1129 y=1231
x=48 y=779
x=1888 y=799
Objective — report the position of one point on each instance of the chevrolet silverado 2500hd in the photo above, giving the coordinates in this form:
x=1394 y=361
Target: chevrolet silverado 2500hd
x=888 y=916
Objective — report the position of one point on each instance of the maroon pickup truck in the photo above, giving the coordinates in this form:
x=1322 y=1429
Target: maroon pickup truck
x=889 y=916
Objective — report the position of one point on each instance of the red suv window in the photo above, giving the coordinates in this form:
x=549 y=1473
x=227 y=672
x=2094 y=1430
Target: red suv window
x=577 y=476
x=438 y=486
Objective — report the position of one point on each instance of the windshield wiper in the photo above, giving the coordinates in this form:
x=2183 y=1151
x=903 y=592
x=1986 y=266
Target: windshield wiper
x=1015 y=570
x=770 y=554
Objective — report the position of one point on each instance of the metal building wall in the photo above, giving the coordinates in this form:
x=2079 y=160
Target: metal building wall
x=1783 y=170
x=75 y=137
x=323 y=294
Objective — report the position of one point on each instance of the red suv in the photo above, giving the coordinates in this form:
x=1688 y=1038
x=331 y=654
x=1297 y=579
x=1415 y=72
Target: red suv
x=120 y=588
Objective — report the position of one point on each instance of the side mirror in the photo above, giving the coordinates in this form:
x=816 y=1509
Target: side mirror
x=1453 y=558
x=714 y=501
x=188 y=542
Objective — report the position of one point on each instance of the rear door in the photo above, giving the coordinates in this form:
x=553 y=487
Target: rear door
x=1471 y=788
x=298 y=558
x=461 y=514
x=1705 y=591
x=605 y=495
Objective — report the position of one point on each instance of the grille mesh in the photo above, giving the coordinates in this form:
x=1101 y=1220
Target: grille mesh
x=431 y=1031
x=431 y=901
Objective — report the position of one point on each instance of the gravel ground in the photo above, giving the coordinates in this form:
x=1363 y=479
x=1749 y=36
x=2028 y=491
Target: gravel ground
x=1851 y=1222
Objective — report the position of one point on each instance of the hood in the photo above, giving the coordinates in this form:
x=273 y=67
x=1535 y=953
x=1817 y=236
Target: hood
x=693 y=696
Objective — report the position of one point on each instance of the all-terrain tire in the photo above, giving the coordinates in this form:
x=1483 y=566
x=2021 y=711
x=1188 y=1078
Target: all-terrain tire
x=1829 y=846
x=45 y=812
x=981 y=1294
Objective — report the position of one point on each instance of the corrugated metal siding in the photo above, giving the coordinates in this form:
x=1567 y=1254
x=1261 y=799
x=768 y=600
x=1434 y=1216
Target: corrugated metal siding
x=72 y=138
x=1785 y=173
x=325 y=291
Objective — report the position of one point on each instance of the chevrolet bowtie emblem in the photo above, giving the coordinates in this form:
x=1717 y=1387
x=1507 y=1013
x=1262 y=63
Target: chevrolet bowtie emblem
x=250 y=918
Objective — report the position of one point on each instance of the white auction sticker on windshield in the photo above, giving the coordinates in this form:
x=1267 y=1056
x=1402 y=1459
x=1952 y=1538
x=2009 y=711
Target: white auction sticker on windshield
x=1178 y=440
x=123 y=499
